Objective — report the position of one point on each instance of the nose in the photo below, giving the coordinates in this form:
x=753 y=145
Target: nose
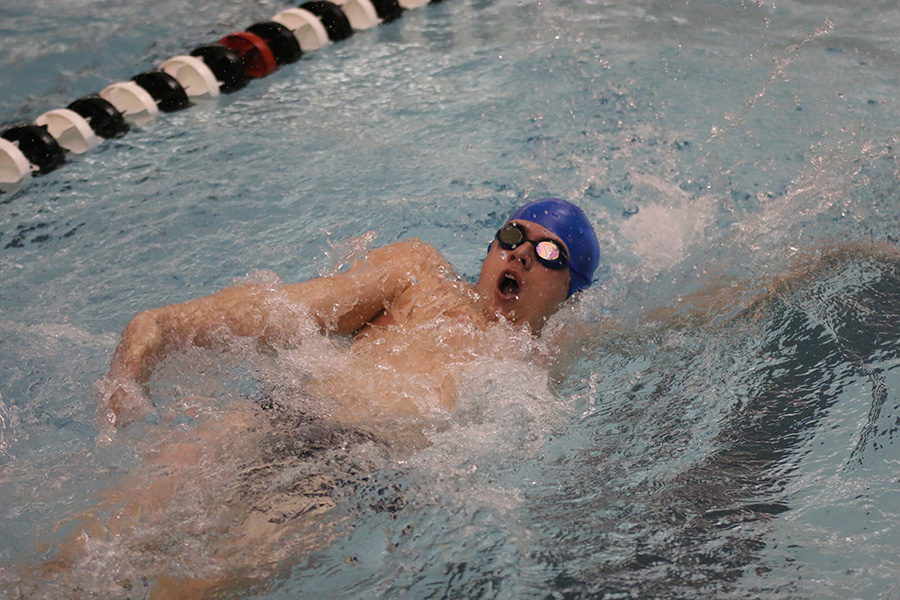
x=523 y=253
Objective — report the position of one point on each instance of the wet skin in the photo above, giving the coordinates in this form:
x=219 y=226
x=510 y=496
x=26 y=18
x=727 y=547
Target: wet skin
x=416 y=329
x=413 y=318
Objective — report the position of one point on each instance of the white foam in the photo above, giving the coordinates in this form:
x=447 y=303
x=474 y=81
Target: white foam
x=9 y=425
x=668 y=222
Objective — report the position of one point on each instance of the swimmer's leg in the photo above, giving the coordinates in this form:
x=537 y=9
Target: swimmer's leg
x=141 y=501
x=257 y=528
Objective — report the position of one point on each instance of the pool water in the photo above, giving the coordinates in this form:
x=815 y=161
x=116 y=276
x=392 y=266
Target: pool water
x=725 y=426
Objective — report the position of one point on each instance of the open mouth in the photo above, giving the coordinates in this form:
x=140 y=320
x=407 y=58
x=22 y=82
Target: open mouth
x=508 y=286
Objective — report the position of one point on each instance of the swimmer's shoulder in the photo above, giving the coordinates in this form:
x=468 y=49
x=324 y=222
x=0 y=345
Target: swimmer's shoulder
x=417 y=257
x=435 y=288
x=416 y=250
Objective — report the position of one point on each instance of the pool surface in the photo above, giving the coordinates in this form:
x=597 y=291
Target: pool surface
x=725 y=425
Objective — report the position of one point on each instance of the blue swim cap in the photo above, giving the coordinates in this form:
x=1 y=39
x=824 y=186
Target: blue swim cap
x=570 y=224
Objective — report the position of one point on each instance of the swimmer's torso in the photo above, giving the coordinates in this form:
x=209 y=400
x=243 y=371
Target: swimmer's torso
x=407 y=359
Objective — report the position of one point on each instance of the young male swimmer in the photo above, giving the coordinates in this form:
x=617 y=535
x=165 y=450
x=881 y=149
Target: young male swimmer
x=412 y=317
x=416 y=327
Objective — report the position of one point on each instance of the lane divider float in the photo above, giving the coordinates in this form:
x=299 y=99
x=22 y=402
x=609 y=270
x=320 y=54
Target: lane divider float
x=223 y=67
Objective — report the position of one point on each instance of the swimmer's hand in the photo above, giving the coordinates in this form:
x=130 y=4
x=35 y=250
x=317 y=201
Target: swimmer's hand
x=125 y=401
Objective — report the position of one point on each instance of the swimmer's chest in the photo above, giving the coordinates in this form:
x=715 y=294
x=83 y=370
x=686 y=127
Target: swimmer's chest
x=424 y=319
x=428 y=301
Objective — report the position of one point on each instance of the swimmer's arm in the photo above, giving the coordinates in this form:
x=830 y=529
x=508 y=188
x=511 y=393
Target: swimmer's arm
x=344 y=303
x=341 y=303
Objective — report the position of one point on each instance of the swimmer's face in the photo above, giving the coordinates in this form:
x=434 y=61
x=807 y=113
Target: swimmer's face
x=516 y=286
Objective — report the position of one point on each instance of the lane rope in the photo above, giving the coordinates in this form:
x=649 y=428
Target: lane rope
x=223 y=67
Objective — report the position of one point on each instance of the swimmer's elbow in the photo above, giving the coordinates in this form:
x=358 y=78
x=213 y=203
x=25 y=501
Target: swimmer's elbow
x=143 y=325
x=139 y=340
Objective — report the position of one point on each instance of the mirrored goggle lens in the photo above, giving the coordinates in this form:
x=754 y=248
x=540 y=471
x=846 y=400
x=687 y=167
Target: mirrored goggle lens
x=547 y=250
x=551 y=255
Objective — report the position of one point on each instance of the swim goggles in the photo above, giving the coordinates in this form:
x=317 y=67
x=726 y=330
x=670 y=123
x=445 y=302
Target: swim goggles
x=549 y=252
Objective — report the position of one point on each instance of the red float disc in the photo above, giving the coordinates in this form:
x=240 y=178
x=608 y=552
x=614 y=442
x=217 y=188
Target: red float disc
x=254 y=52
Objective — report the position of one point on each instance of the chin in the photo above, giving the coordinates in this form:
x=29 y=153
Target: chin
x=533 y=324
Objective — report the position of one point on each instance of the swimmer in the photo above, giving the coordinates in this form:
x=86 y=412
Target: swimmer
x=391 y=301
x=414 y=327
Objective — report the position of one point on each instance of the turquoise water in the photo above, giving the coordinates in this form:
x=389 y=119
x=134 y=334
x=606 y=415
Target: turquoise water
x=742 y=449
